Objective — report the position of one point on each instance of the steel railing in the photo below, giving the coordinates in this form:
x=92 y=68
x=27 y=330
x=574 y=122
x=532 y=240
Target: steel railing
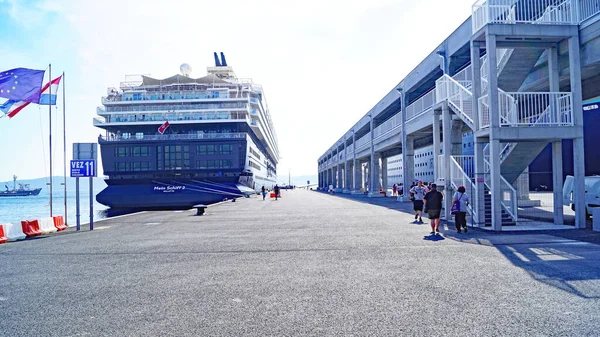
x=363 y=141
x=527 y=109
x=508 y=194
x=135 y=137
x=532 y=11
x=457 y=95
x=391 y=124
x=588 y=8
x=421 y=105
x=458 y=177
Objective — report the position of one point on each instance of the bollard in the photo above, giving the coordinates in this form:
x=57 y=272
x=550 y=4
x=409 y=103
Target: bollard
x=200 y=209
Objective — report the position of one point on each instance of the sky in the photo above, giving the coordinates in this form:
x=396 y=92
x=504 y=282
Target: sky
x=323 y=64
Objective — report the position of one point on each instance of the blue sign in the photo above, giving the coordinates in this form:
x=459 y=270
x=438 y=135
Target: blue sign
x=83 y=168
x=308 y=182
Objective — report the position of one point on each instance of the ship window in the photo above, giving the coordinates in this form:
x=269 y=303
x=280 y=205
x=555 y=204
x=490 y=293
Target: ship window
x=226 y=149
x=121 y=166
x=140 y=151
x=120 y=151
x=173 y=157
x=214 y=164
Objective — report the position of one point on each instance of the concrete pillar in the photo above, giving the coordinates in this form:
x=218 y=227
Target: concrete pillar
x=375 y=175
x=578 y=149
x=346 y=178
x=355 y=165
x=456 y=137
x=479 y=198
x=384 y=174
x=557 y=182
x=409 y=163
x=476 y=84
x=367 y=176
x=495 y=148
x=494 y=128
x=436 y=145
x=336 y=175
x=557 y=169
x=372 y=179
x=406 y=177
x=447 y=125
x=361 y=176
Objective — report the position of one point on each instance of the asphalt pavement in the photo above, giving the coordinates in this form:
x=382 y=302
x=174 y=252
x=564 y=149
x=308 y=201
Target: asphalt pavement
x=308 y=264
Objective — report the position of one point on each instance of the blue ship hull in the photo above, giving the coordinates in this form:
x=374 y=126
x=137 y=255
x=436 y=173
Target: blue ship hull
x=165 y=195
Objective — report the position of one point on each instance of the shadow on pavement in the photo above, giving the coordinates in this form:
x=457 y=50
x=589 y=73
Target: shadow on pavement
x=562 y=259
x=433 y=237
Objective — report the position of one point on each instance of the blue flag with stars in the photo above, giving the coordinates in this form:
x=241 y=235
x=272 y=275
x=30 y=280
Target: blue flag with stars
x=21 y=84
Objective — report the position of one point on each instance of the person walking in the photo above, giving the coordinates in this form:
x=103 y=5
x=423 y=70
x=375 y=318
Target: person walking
x=462 y=199
x=433 y=205
x=418 y=192
x=264 y=192
x=394 y=190
x=276 y=191
x=331 y=189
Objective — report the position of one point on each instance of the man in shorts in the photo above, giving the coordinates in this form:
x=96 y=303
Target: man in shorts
x=433 y=204
x=418 y=192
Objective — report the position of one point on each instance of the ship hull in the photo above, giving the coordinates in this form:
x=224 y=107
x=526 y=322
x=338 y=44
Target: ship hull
x=21 y=193
x=168 y=195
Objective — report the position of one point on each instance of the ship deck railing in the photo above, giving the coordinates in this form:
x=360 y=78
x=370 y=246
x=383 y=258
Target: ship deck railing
x=177 y=136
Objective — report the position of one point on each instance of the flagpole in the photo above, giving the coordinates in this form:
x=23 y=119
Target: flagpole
x=50 y=134
x=64 y=146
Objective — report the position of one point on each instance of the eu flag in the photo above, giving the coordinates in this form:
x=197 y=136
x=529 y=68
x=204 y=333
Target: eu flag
x=21 y=84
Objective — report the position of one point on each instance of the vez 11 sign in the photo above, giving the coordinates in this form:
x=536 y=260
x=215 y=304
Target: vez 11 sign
x=83 y=168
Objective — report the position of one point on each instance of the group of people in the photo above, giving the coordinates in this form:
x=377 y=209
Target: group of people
x=398 y=190
x=276 y=191
x=426 y=198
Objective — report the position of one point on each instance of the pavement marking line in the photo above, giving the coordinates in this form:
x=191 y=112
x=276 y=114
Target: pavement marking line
x=102 y=227
x=152 y=223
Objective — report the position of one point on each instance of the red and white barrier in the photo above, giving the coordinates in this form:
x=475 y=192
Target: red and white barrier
x=31 y=228
x=3 y=238
x=47 y=225
x=13 y=232
x=59 y=222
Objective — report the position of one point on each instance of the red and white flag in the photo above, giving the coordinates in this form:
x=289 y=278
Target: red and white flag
x=163 y=127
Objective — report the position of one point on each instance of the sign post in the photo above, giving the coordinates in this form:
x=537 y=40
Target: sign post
x=84 y=165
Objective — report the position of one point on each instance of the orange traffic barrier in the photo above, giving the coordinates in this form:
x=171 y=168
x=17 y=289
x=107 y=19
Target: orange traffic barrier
x=3 y=238
x=59 y=222
x=31 y=228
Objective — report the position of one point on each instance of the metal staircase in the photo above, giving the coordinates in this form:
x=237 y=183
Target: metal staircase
x=462 y=173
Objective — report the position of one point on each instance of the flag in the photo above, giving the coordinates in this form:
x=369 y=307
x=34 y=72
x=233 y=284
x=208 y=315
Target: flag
x=163 y=127
x=21 y=84
x=48 y=94
x=11 y=108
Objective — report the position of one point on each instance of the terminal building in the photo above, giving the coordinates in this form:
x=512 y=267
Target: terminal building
x=507 y=106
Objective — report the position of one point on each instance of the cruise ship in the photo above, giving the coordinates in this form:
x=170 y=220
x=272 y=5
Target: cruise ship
x=176 y=142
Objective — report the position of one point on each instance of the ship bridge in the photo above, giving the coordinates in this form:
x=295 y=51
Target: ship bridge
x=514 y=74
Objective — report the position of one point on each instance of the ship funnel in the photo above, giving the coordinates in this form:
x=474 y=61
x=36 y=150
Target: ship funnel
x=223 y=61
x=217 y=63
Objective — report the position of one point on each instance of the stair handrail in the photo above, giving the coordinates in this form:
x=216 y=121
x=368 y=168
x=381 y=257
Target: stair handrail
x=448 y=89
x=510 y=208
x=454 y=165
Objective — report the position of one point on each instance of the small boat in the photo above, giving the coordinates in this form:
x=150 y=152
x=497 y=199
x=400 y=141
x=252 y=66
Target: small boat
x=23 y=190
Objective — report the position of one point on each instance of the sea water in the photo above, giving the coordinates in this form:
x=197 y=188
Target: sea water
x=15 y=209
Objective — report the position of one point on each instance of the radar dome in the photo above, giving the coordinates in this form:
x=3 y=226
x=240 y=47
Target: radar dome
x=185 y=69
